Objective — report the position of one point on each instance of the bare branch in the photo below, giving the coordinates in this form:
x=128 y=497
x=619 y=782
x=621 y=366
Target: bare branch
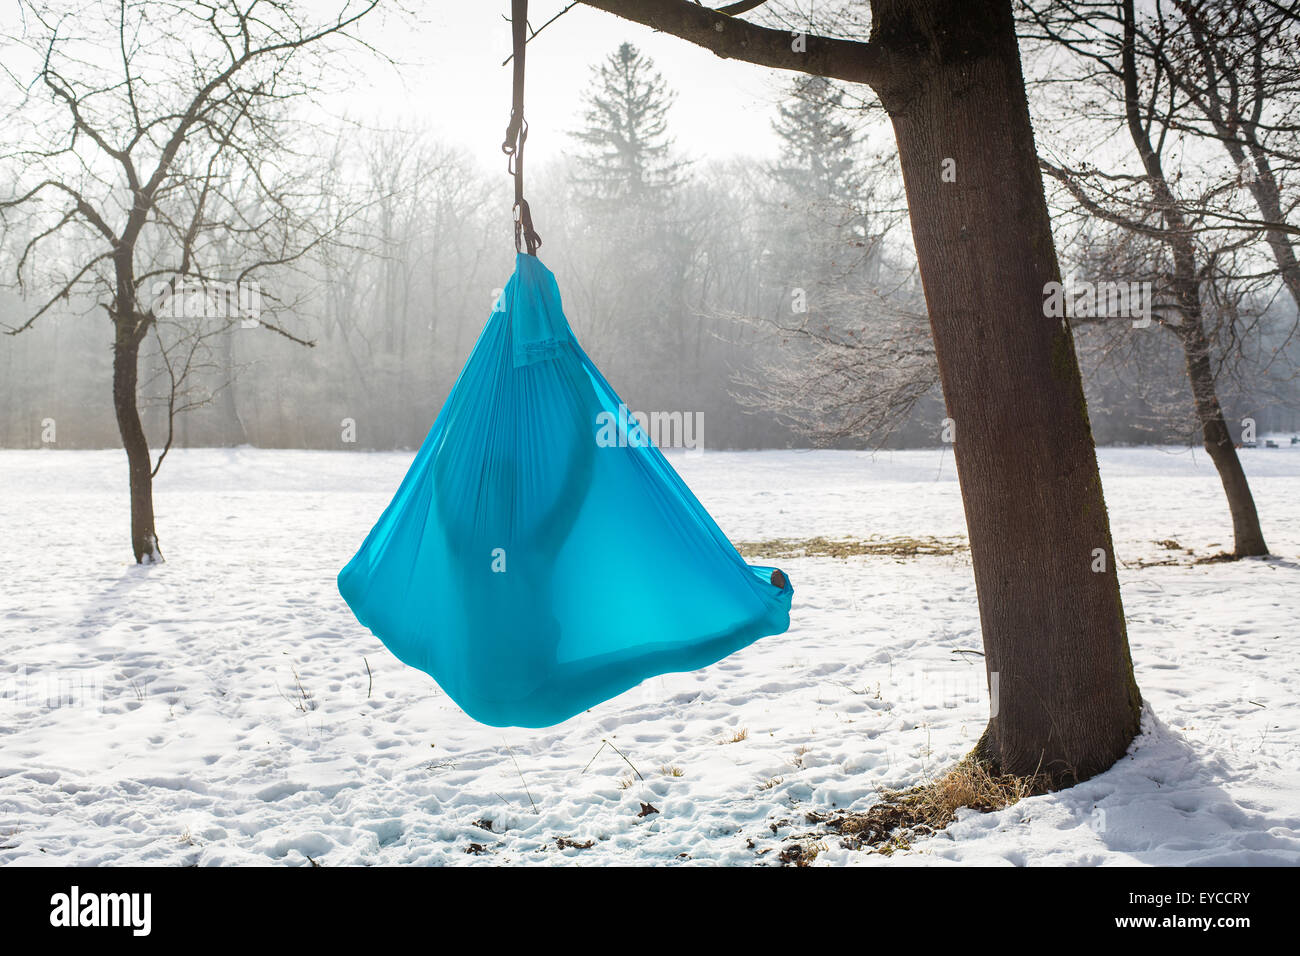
x=729 y=38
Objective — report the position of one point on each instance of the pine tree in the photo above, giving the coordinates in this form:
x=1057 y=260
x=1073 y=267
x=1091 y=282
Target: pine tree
x=628 y=154
x=819 y=174
x=817 y=147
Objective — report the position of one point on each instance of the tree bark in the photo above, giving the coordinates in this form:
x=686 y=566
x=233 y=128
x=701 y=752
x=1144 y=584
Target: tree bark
x=1065 y=699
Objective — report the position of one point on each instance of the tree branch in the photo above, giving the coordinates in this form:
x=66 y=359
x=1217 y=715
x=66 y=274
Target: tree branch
x=849 y=60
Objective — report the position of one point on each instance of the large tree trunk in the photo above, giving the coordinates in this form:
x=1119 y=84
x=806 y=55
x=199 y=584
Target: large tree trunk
x=1248 y=537
x=126 y=356
x=1066 y=701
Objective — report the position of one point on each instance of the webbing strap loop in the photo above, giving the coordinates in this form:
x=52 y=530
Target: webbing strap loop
x=526 y=236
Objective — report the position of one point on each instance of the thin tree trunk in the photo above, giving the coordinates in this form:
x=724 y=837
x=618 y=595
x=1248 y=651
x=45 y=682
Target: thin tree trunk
x=1066 y=702
x=1269 y=202
x=1248 y=537
x=128 y=334
x=1268 y=199
x=231 y=426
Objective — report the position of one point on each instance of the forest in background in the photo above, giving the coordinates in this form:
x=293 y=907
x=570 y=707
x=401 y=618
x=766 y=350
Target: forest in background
x=777 y=300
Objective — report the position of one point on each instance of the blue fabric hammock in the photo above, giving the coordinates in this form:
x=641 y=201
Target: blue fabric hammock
x=541 y=555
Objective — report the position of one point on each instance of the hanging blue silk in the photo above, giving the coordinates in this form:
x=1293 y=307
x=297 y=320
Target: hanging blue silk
x=541 y=555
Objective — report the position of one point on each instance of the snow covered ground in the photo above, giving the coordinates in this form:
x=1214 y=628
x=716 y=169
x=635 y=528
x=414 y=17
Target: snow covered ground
x=218 y=709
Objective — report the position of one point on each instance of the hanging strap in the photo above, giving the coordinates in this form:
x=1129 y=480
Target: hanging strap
x=517 y=135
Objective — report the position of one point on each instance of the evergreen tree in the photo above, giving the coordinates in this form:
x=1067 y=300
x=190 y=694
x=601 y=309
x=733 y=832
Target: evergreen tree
x=819 y=175
x=818 y=148
x=628 y=152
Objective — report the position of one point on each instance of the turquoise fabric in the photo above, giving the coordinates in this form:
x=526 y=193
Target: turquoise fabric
x=541 y=555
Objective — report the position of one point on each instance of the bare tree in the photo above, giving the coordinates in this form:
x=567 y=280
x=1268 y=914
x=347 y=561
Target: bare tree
x=1150 y=202
x=1237 y=62
x=143 y=124
x=402 y=295
x=857 y=373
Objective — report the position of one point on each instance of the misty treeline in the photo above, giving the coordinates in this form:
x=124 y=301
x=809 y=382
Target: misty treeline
x=776 y=298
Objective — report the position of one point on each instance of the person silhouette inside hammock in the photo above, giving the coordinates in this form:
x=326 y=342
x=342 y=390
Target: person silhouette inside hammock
x=511 y=481
x=505 y=543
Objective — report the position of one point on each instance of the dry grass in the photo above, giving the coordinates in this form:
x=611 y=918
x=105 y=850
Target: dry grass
x=801 y=854
x=1188 y=558
x=902 y=816
x=900 y=547
x=1217 y=558
x=738 y=737
x=669 y=770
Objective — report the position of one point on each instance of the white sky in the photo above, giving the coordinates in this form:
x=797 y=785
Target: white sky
x=451 y=79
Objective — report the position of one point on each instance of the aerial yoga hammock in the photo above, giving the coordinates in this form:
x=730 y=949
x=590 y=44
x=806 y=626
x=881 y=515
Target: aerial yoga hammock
x=541 y=555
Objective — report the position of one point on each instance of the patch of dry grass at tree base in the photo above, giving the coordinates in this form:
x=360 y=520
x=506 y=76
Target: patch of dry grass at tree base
x=899 y=547
x=1188 y=558
x=905 y=815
